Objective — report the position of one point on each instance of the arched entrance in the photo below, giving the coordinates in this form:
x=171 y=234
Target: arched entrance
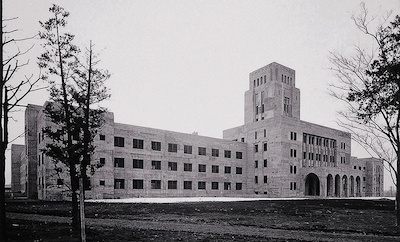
x=312 y=185
x=337 y=186
x=329 y=186
x=358 y=187
x=344 y=184
x=351 y=186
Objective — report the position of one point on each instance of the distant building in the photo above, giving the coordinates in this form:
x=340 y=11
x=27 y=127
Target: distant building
x=274 y=154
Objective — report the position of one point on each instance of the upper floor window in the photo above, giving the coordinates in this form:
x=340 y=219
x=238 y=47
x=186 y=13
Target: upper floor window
x=293 y=153
x=293 y=136
x=172 y=148
x=172 y=166
x=293 y=169
x=137 y=164
x=187 y=167
x=202 y=168
x=119 y=162
x=156 y=165
x=238 y=155
x=102 y=137
x=202 y=151
x=137 y=143
x=215 y=169
x=215 y=152
x=286 y=106
x=187 y=149
x=119 y=141
x=155 y=145
x=227 y=154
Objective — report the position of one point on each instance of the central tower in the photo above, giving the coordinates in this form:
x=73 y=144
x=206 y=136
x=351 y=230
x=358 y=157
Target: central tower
x=272 y=93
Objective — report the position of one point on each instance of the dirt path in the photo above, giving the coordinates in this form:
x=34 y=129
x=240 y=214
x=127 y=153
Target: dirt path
x=212 y=229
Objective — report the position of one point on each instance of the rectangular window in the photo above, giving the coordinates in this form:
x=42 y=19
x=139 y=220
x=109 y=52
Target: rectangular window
x=187 y=185
x=172 y=166
x=255 y=148
x=293 y=136
x=137 y=143
x=102 y=137
x=155 y=184
x=102 y=161
x=202 y=168
x=265 y=179
x=265 y=163
x=256 y=179
x=155 y=145
x=119 y=141
x=238 y=186
x=119 y=184
x=214 y=185
x=156 y=165
x=293 y=169
x=215 y=152
x=293 y=153
x=119 y=162
x=172 y=185
x=227 y=154
x=238 y=155
x=187 y=167
x=172 y=148
x=293 y=185
x=286 y=106
x=187 y=149
x=256 y=164
x=137 y=164
x=102 y=183
x=137 y=184
x=227 y=169
x=215 y=169
x=201 y=185
x=227 y=186
x=239 y=170
x=202 y=151
x=265 y=133
x=255 y=135
x=265 y=146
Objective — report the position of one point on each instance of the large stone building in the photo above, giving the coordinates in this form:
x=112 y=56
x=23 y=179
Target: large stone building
x=274 y=154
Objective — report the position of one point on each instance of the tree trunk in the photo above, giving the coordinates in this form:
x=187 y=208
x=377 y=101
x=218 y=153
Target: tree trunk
x=3 y=229
x=397 y=202
x=3 y=145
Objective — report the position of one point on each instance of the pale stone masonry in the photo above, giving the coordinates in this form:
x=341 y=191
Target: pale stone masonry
x=274 y=154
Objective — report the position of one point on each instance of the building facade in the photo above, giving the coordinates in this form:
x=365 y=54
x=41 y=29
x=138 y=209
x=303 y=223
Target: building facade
x=274 y=154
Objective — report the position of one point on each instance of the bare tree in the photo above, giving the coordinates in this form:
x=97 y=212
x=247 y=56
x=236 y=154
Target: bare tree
x=12 y=92
x=369 y=81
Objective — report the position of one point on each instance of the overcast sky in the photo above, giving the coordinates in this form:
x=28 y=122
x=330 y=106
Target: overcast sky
x=184 y=65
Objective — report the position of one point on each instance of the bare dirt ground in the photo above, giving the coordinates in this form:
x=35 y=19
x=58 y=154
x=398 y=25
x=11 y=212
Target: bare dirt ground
x=295 y=220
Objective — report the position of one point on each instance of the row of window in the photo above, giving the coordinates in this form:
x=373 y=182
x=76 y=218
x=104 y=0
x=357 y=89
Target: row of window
x=318 y=157
x=173 y=166
x=260 y=81
x=286 y=79
x=318 y=140
x=173 y=184
x=172 y=147
x=265 y=147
